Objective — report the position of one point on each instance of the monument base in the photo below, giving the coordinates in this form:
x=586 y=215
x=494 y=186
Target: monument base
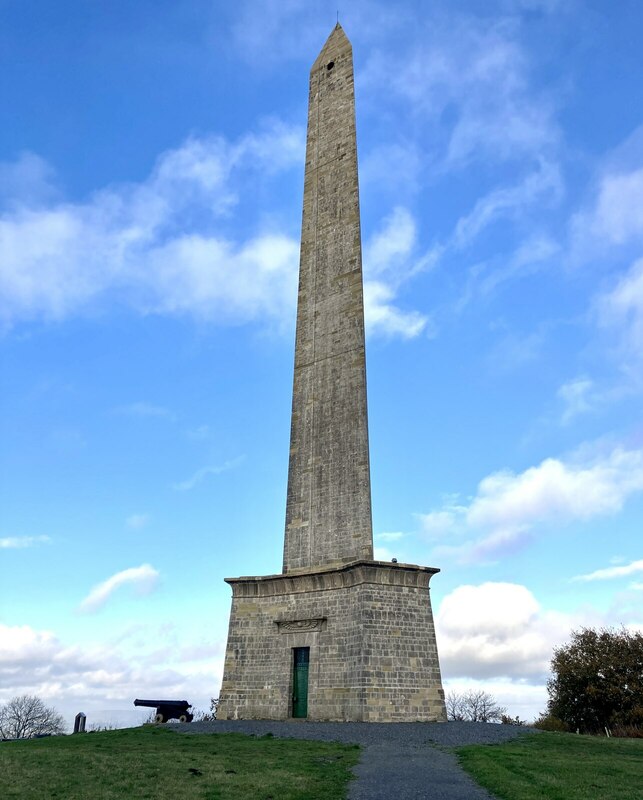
x=352 y=643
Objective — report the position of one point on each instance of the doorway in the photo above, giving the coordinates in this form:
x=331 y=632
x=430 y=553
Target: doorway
x=301 y=661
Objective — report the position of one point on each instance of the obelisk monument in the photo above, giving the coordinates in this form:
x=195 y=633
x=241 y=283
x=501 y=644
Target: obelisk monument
x=328 y=510
x=336 y=635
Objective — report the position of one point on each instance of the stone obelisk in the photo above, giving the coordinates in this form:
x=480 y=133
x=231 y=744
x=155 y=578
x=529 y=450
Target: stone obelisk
x=328 y=510
x=336 y=635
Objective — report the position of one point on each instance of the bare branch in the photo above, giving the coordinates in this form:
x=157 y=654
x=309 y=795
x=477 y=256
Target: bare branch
x=27 y=716
x=473 y=706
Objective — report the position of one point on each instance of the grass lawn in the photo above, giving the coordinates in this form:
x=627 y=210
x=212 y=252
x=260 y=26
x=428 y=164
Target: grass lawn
x=558 y=766
x=153 y=762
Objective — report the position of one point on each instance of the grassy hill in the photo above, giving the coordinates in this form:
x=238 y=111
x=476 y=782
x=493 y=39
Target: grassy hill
x=152 y=762
x=156 y=761
x=558 y=766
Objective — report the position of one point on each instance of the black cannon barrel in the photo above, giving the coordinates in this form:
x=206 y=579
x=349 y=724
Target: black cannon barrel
x=156 y=703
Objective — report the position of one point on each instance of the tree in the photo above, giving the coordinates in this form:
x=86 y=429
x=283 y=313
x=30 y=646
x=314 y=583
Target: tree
x=455 y=706
x=597 y=680
x=26 y=716
x=473 y=706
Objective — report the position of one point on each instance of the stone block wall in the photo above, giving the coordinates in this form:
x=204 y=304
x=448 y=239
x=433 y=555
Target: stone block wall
x=369 y=626
x=328 y=506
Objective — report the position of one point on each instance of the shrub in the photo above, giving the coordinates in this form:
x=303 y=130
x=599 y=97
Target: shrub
x=627 y=732
x=548 y=722
x=597 y=680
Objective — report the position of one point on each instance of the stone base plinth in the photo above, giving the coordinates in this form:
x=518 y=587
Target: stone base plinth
x=369 y=627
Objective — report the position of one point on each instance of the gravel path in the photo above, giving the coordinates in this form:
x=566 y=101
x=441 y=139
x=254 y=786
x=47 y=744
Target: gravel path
x=399 y=760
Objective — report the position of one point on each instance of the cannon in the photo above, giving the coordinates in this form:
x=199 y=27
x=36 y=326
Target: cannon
x=168 y=709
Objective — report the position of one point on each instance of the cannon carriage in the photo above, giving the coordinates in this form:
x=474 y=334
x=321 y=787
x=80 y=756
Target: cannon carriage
x=168 y=709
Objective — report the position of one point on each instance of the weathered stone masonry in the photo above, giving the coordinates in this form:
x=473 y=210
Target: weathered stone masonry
x=372 y=644
x=328 y=508
x=368 y=624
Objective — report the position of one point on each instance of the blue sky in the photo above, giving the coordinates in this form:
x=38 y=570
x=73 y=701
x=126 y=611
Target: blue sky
x=151 y=175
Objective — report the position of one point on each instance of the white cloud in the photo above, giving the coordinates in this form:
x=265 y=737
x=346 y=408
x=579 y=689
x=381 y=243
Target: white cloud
x=509 y=201
x=613 y=216
x=498 y=637
x=28 y=180
x=382 y=317
x=144 y=578
x=22 y=642
x=393 y=167
x=441 y=523
x=200 y=433
x=619 y=209
x=621 y=308
x=497 y=630
x=382 y=553
x=268 y=32
x=609 y=230
x=393 y=536
x=476 y=76
x=201 y=474
x=389 y=248
x=138 y=521
x=576 y=397
x=509 y=507
x=19 y=542
x=533 y=254
x=513 y=350
x=265 y=31
x=555 y=491
x=104 y=679
x=536 y=250
x=159 y=245
x=471 y=83
x=216 y=279
x=389 y=261
x=617 y=214
x=612 y=572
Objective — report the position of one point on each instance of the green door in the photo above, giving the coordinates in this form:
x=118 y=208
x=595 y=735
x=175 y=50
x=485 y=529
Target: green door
x=301 y=659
